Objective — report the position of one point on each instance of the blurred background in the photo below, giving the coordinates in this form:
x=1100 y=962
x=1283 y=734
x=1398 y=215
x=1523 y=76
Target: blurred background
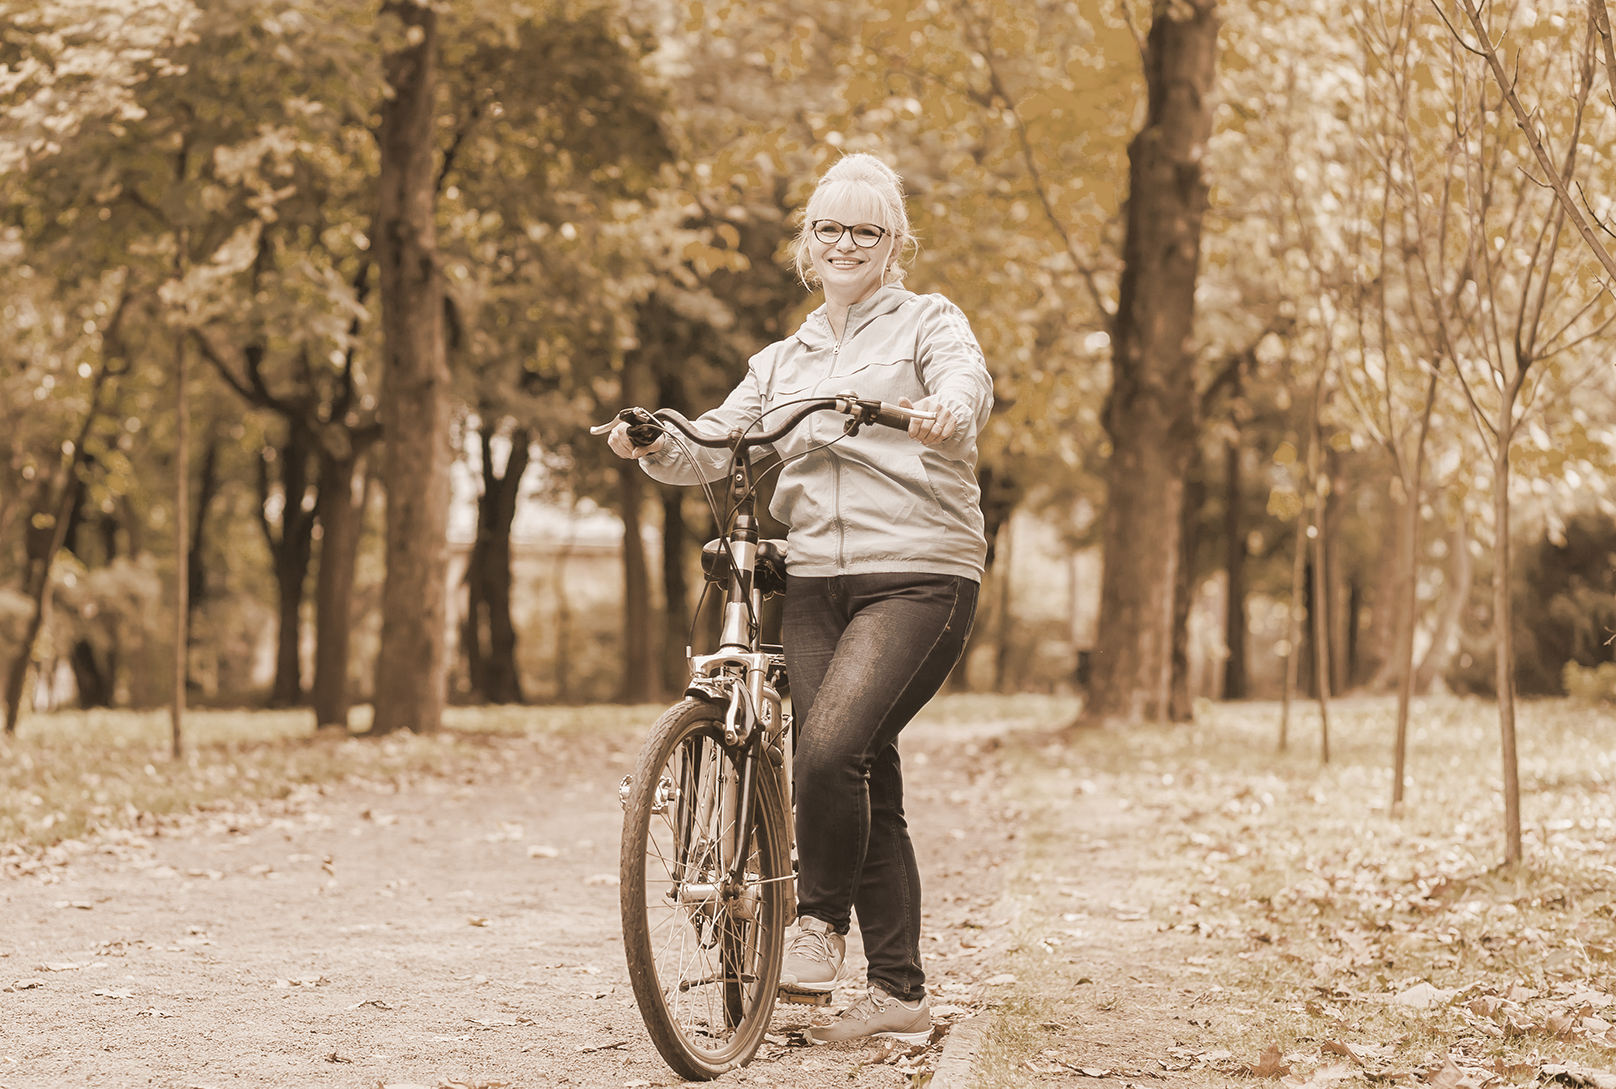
x=1398 y=360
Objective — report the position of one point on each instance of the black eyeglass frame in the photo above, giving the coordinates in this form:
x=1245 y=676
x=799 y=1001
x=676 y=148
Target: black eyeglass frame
x=847 y=229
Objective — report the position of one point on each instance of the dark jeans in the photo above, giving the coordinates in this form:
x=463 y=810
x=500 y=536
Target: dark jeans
x=865 y=653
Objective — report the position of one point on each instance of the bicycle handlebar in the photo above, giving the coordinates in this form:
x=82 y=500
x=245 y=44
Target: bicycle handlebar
x=645 y=427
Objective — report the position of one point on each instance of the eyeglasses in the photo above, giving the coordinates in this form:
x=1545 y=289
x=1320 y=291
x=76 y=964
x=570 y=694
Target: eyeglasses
x=864 y=235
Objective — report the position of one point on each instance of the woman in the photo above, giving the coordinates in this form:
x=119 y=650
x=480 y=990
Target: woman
x=884 y=561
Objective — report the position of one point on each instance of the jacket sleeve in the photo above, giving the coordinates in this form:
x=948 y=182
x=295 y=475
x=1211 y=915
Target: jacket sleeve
x=683 y=462
x=954 y=371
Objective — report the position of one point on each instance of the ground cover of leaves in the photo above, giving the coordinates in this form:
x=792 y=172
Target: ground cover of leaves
x=438 y=912
x=1195 y=907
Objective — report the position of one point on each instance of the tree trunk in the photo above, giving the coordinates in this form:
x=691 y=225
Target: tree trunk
x=1385 y=633
x=1402 y=659
x=1181 y=703
x=1456 y=595
x=1293 y=627
x=1001 y=492
x=563 y=626
x=411 y=665
x=1234 y=542
x=291 y=550
x=490 y=640
x=640 y=670
x=44 y=536
x=93 y=680
x=675 y=591
x=182 y=552
x=1321 y=631
x=1004 y=607
x=1338 y=590
x=196 y=571
x=341 y=514
x=1504 y=636
x=46 y=530
x=1150 y=414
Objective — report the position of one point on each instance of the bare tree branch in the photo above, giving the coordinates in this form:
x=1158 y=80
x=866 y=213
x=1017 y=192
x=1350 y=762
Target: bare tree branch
x=996 y=82
x=1563 y=194
x=1600 y=17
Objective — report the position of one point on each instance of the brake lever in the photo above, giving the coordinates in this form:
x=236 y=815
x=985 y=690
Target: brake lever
x=644 y=428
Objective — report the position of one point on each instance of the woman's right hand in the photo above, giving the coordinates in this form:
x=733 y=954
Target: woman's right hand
x=624 y=447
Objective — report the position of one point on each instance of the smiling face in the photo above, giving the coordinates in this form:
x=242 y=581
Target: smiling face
x=848 y=272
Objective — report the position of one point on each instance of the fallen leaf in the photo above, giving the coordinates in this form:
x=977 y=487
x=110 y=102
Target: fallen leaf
x=997 y=981
x=534 y=850
x=26 y=984
x=1328 y=1074
x=376 y=1002
x=602 y=1047
x=152 y=1011
x=58 y=966
x=1577 y=1074
x=81 y=905
x=1451 y=1076
x=601 y=879
x=1559 y=1024
x=1336 y=1047
x=335 y=1058
x=1422 y=996
x=113 y=994
x=477 y=920
x=1270 y=1064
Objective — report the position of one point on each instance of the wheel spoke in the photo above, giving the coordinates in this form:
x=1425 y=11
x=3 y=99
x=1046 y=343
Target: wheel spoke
x=701 y=953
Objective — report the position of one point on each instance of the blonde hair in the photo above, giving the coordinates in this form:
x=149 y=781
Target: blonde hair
x=863 y=177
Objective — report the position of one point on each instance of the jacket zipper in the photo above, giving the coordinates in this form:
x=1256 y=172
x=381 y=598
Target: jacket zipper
x=836 y=475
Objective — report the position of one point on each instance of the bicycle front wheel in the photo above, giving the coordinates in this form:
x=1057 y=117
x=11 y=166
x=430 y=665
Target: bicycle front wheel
x=704 y=957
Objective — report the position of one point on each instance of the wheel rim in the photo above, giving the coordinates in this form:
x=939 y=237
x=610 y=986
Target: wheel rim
x=703 y=942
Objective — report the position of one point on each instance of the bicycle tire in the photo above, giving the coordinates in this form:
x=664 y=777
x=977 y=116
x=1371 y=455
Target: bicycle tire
x=705 y=970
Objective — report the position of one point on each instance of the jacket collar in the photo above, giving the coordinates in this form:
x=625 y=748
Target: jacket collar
x=815 y=332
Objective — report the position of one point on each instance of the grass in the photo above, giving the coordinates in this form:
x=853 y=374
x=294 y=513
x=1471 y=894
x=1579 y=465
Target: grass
x=71 y=773
x=1321 y=922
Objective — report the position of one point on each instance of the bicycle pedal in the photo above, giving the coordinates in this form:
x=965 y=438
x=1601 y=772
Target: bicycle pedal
x=806 y=998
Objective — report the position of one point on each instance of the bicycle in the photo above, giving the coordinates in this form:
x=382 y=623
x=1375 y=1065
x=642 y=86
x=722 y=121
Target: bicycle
x=707 y=877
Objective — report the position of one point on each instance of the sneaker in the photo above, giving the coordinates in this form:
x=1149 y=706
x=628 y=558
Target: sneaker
x=878 y=1014
x=814 y=958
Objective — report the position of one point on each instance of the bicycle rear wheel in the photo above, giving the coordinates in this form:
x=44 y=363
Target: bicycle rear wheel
x=704 y=959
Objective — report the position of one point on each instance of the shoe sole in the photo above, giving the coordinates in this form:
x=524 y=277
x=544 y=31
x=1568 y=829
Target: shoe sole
x=911 y=1039
x=809 y=988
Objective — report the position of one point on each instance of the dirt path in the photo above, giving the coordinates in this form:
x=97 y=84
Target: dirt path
x=446 y=933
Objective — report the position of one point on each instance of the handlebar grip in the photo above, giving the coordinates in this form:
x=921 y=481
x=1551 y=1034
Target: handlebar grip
x=894 y=417
x=644 y=434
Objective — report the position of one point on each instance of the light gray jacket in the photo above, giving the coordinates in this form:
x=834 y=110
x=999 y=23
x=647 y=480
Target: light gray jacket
x=877 y=501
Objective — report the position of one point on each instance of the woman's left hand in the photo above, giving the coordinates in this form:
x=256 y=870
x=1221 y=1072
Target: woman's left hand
x=930 y=432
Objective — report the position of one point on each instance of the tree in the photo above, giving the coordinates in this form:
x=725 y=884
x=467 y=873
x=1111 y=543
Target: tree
x=1531 y=322
x=1150 y=412
x=549 y=218
x=415 y=407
